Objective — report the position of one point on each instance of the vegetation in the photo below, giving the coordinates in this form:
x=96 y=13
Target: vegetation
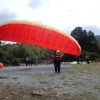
x=98 y=42
x=17 y=52
x=88 y=43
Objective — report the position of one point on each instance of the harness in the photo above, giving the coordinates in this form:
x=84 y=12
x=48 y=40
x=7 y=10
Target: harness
x=57 y=57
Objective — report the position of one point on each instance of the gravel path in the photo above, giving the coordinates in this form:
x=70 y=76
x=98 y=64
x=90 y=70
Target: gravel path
x=72 y=80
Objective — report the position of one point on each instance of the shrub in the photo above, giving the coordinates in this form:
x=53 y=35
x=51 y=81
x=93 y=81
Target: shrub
x=15 y=62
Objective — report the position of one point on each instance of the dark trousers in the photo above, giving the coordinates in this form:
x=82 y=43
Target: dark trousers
x=57 y=66
x=27 y=63
x=30 y=63
x=87 y=61
x=77 y=60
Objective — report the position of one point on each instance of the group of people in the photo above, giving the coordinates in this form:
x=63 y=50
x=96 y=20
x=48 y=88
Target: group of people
x=87 y=57
x=56 y=60
x=30 y=60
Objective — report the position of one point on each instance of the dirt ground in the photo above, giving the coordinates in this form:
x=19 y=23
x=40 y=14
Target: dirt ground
x=75 y=82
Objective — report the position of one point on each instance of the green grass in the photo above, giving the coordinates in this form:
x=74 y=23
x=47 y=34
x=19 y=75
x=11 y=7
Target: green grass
x=97 y=87
x=43 y=82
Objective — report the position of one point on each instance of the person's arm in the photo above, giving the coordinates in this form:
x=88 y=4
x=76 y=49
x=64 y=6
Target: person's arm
x=61 y=57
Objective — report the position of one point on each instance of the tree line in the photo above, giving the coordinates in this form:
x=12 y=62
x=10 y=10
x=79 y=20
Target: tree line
x=17 y=52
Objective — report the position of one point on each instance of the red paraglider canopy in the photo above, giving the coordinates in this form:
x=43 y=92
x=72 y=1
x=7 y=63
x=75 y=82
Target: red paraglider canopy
x=1 y=65
x=40 y=35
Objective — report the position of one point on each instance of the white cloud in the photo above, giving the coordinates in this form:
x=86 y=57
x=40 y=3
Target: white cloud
x=62 y=14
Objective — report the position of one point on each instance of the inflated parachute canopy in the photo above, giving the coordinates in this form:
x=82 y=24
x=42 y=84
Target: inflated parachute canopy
x=1 y=65
x=29 y=32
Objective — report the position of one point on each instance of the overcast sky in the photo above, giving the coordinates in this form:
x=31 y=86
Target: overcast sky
x=62 y=14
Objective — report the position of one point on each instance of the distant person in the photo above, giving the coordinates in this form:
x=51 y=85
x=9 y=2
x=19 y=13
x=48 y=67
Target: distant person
x=35 y=58
x=77 y=59
x=27 y=61
x=30 y=61
x=7 y=62
x=47 y=56
x=87 y=58
x=57 y=59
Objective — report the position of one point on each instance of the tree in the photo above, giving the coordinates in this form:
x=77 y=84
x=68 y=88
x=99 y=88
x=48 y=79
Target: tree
x=87 y=41
x=98 y=42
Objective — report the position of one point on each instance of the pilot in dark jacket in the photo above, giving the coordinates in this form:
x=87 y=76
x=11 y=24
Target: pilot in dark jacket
x=57 y=59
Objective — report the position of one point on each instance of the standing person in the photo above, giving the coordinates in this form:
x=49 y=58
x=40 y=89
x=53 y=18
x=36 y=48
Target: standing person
x=7 y=62
x=47 y=59
x=57 y=59
x=87 y=58
x=77 y=59
x=27 y=61
x=30 y=61
x=35 y=60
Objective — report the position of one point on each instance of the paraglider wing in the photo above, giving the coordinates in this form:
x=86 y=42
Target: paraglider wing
x=1 y=65
x=40 y=35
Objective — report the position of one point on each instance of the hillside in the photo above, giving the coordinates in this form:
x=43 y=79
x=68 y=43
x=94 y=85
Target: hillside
x=97 y=36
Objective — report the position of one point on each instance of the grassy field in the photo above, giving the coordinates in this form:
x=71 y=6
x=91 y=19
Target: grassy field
x=25 y=93
x=79 y=71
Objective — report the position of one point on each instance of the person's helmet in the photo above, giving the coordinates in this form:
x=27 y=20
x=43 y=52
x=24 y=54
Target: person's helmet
x=58 y=51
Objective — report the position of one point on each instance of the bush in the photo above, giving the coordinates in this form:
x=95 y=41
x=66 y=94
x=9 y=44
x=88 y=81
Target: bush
x=15 y=62
x=94 y=56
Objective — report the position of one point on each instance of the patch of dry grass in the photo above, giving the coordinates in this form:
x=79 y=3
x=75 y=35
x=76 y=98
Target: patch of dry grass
x=26 y=93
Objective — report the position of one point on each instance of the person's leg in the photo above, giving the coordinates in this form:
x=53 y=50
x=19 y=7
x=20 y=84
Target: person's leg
x=55 y=66
x=47 y=61
x=55 y=69
x=77 y=61
x=6 y=64
x=88 y=61
x=29 y=63
x=35 y=62
x=58 y=67
x=26 y=63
